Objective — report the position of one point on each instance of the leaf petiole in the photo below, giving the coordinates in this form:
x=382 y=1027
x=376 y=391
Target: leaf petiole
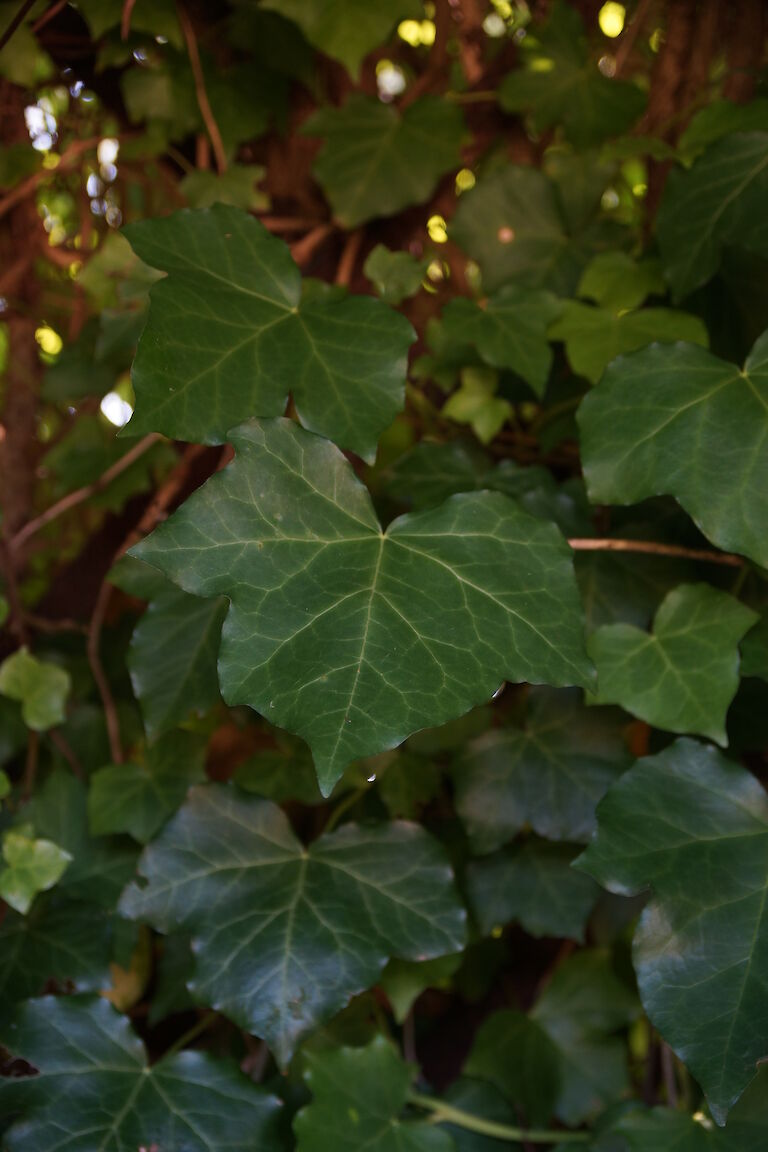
x=447 y=1113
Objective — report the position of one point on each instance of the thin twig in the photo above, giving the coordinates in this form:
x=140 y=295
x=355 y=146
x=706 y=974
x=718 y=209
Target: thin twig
x=125 y=23
x=206 y=111
x=651 y=548
x=49 y=15
x=629 y=36
x=48 y=624
x=448 y=1114
x=30 y=765
x=77 y=497
x=349 y=257
x=288 y=223
x=303 y=249
x=62 y=745
x=17 y=19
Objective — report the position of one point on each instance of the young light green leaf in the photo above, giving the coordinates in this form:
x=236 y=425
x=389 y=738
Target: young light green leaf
x=394 y=275
x=684 y=675
x=678 y=421
x=139 y=798
x=358 y=1095
x=509 y=330
x=41 y=687
x=716 y=203
x=343 y=29
x=559 y=84
x=377 y=160
x=284 y=935
x=95 y=1089
x=549 y=774
x=534 y=885
x=514 y=223
x=475 y=403
x=593 y=337
x=30 y=866
x=693 y=826
x=617 y=281
x=229 y=336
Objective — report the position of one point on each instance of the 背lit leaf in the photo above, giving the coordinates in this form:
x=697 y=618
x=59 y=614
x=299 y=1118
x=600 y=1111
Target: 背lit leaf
x=354 y=638
x=42 y=688
x=615 y=280
x=693 y=826
x=678 y=421
x=229 y=336
x=285 y=935
x=29 y=865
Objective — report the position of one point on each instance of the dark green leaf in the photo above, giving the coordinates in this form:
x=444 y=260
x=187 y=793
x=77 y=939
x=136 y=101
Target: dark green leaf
x=694 y=827
x=96 y=1092
x=684 y=675
x=680 y=422
x=284 y=936
x=550 y=774
x=405 y=980
x=229 y=337
x=534 y=885
x=353 y=638
x=59 y=940
x=377 y=160
x=513 y=1053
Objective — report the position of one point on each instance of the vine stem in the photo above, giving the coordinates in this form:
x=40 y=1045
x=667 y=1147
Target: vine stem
x=447 y=1113
x=202 y=1025
x=201 y=92
x=651 y=548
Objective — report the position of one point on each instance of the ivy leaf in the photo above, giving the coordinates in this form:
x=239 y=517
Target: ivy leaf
x=534 y=885
x=616 y=281
x=693 y=826
x=95 y=1089
x=30 y=866
x=514 y=223
x=139 y=798
x=351 y=637
x=236 y=186
x=174 y=648
x=722 y=118
x=377 y=160
x=475 y=403
x=549 y=774
x=754 y=650
x=509 y=330
x=593 y=337
x=343 y=29
x=560 y=85
x=41 y=687
x=682 y=677
x=715 y=203
x=357 y=1097
x=403 y=981
x=582 y=1006
x=284 y=935
x=229 y=336
x=515 y=1055
x=664 y=421
x=395 y=275
x=58 y=940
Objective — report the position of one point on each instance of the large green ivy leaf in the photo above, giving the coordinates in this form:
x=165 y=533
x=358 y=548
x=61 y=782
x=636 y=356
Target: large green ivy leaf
x=516 y=224
x=41 y=687
x=509 y=330
x=377 y=160
x=534 y=885
x=549 y=774
x=95 y=1090
x=351 y=637
x=358 y=1095
x=677 y=421
x=694 y=827
x=716 y=203
x=514 y=1054
x=229 y=335
x=684 y=675
x=595 y=336
x=345 y=29
x=58 y=940
x=138 y=798
x=558 y=84
x=284 y=935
